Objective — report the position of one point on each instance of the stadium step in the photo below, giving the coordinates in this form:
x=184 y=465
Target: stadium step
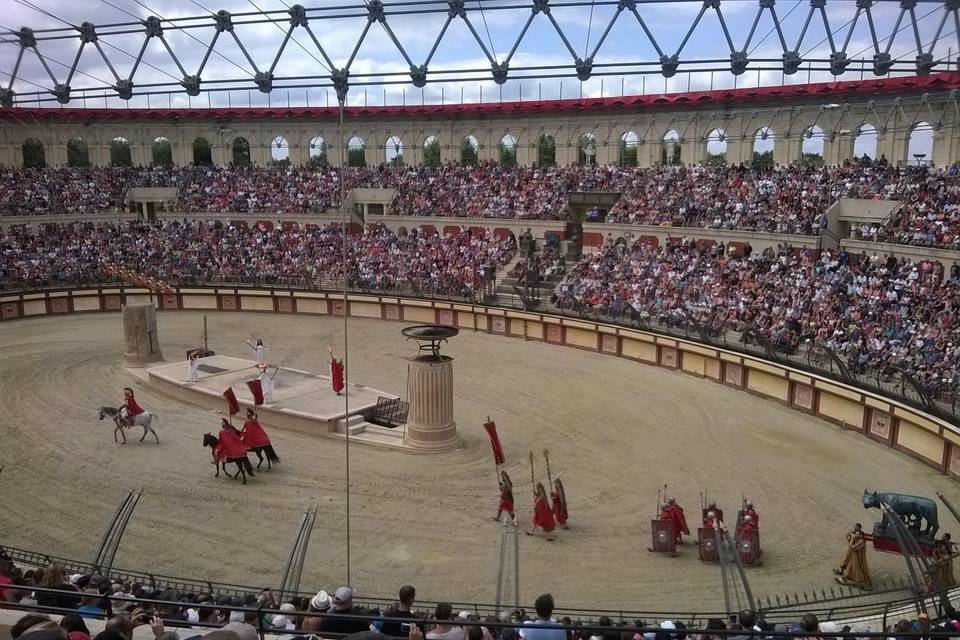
x=355 y=423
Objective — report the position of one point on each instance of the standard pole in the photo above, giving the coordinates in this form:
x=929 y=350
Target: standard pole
x=503 y=551
x=346 y=351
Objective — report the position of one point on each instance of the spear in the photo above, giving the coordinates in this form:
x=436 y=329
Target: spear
x=546 y=456
x=533 y=479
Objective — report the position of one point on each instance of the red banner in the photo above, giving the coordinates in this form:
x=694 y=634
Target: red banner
x=232 y=405
x=491 y=428
x=256 y=390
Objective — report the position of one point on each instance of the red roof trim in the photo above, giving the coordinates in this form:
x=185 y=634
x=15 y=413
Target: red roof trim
x=832 y=90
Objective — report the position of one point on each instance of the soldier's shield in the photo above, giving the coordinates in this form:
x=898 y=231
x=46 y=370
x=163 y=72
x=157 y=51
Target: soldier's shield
x=707 y=545
x=664 y=537
x=748 y=545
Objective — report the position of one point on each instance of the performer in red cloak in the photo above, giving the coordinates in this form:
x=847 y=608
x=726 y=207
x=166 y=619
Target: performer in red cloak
x=256 y=439
x=748 y=510
x=506 y=499
x=132 y=409
x=231 y=446
x=710 y=521
x=675 y=512
x=558 y=499
x=336 y=373
x=542 y=516
x=252 y=433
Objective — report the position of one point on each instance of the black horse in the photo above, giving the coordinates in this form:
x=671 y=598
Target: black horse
x=266 y=450
x=244 y=468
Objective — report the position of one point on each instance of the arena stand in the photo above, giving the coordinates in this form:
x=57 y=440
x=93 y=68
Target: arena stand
x=789 y=199
x=147 y=606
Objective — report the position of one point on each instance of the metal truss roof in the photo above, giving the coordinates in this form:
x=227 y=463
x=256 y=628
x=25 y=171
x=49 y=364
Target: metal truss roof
x=795 y=49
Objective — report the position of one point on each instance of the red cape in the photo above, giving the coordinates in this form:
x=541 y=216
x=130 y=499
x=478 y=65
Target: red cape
x=336 y=375
x=542 y=516
x=679 y=521
x=506 y=499
x=133 y=408
x=230 y=445
x=559 y=512
x=253 y=434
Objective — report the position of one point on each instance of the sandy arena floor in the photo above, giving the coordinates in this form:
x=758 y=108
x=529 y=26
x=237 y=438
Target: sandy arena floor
x=617 y=431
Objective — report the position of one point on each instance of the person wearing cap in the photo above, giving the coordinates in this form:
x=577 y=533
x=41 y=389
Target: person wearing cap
x=285 y=621
x=336 y=622
x=319 y=603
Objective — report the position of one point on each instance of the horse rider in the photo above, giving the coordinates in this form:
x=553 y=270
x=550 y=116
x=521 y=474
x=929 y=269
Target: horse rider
x=231 y=446
x=129 y=410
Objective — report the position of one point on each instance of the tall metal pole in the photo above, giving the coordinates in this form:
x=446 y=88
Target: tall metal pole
x=346 y=351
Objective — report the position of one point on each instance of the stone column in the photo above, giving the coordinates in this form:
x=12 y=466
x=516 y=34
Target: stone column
x=140 y=335
x=430 y=424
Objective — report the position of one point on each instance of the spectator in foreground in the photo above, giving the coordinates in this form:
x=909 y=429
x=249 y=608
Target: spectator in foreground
x=544 y=608
x=319 y=603
x=75 y=627
x=343 y=606
x=402 y=610
x=444 y=630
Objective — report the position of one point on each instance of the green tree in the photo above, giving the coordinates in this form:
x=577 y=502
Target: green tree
x=241 y=152
x=162 y=152
x=508 y=155
x=320 y=158
x=764 y=159
x=431 y=153
x=546 y=151
x=716 y=159
x=77 y=153
x=670 y=152
x=468 y=152
x=120 y=153
x=628 y=154
x=811 y=159
x=202 y=153
x=33 y=155
x=356 y=157
x=279 y=164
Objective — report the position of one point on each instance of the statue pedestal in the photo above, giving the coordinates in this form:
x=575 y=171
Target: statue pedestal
x=140 y=335
x=430 y=424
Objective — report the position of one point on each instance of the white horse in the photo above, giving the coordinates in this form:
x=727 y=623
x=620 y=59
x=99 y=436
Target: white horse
x=121 y=421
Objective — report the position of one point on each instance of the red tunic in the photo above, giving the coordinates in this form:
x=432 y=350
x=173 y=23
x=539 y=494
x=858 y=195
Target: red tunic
x=253 y=434
x=336 y=375
x=542 y=516
x=230 y=445
x=753 y=515
x=506 y=499
x=559 y=511
x=679 y=521
x=133 y=408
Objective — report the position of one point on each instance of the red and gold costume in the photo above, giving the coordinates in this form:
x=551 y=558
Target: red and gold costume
x=674 y=513
x=253 y=434
x=133 y=409
x=230 y=446
x=542 y=516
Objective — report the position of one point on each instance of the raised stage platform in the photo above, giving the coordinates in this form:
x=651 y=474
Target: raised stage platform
x=302 y=400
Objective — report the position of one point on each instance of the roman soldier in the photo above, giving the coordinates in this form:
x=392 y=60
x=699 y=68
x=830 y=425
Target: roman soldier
x=558 y=499
x=748 y=510
x=542 y=516
x=506 y=499
x=673 y=511
x=710 y=520
x=231 y=446
x=130 y=408
x=252 y=435
x=336 y=372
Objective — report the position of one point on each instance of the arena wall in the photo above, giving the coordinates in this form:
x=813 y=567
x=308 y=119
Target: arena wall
x=923 y=436
x=893 y=108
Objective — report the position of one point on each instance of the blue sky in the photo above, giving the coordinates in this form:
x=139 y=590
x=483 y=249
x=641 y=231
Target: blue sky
x=499 y=29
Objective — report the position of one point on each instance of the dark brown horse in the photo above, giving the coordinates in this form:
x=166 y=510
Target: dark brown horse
x=244 y=468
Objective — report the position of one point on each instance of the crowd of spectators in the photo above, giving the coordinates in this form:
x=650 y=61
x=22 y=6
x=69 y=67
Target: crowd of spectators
x=876 y=313
x=125 y=606
x=292 y=253
x=783 y=199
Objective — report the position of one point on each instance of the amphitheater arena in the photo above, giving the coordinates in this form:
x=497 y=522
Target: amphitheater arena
x=623 y=411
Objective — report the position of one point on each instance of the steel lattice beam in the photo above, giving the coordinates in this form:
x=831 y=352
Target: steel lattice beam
x=794 y=49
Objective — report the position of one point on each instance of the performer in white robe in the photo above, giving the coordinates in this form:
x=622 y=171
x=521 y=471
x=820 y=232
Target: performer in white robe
x=193 y=367
x=266 y=385
x=260 y=350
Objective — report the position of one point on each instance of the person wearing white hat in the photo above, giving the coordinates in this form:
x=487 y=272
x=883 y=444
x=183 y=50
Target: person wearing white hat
x=319 y=603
